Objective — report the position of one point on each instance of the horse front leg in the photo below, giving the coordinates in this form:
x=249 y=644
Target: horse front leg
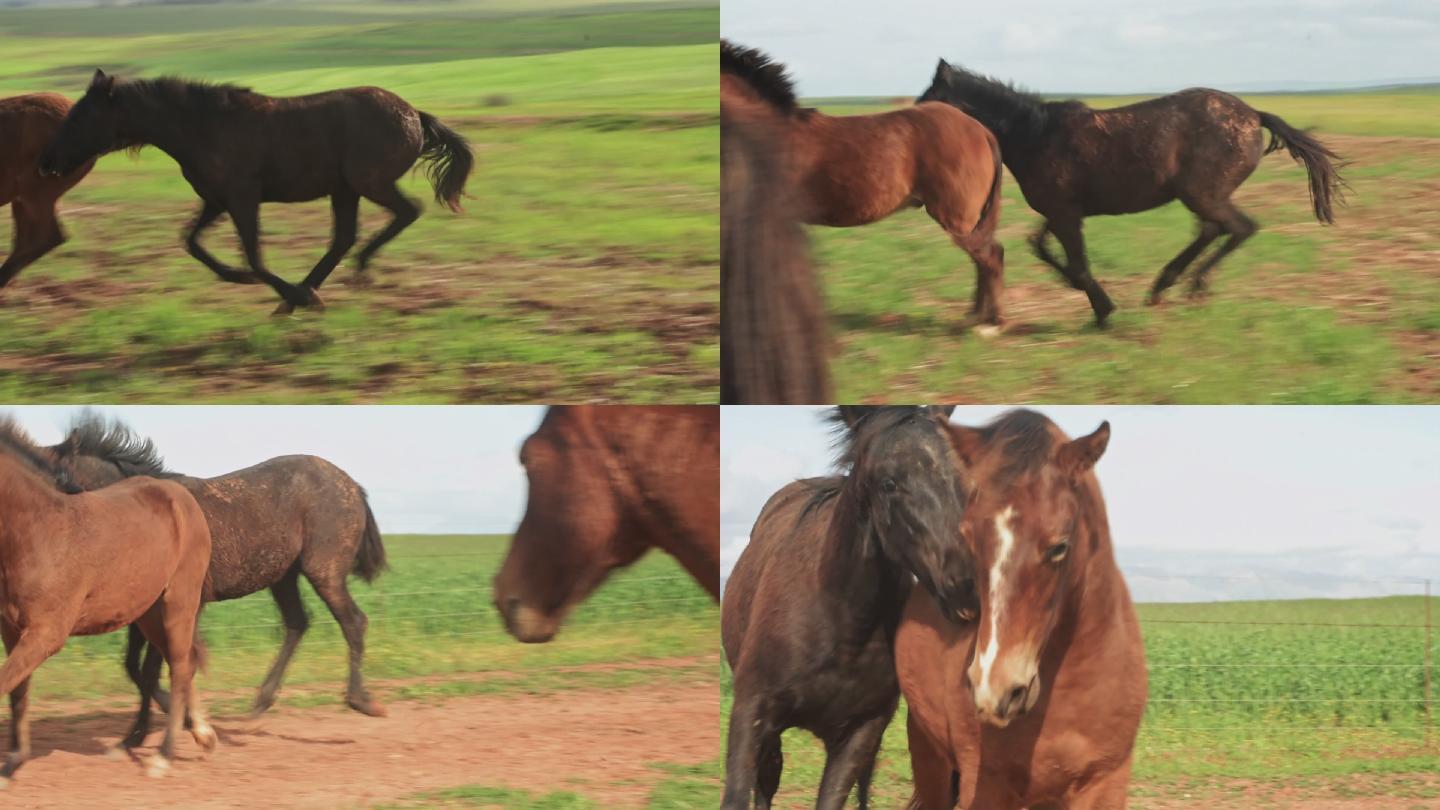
x=1072 y=239
x=25 y=651
x=37 y=232
x=751 y=731
x=1041 y=248
x=847 y=759
x=245 y=213
x=209 y=212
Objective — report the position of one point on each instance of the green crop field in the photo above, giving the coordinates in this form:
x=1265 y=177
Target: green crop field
x=1301 y=313
x=434 y=635
x=576 y=272
x=1313 y=699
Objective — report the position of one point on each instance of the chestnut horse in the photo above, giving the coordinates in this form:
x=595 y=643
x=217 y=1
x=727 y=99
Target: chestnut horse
x=858 y=169
x=27 y=124
x=1196 y=146
x=272 y=523
x=239 y=149
x=810 y=610
x=1037 y=704
x=90 y=563
x=773 y=341
x=607 y=484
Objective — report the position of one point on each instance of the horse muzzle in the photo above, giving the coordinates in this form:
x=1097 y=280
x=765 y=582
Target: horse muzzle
x=525 y=623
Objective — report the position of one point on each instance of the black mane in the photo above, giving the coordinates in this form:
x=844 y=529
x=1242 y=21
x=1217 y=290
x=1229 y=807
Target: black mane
x=15 y=442
x=850 y=443
x=764 y=75
x=183 y=94
x=93 y=435
x=1003 y=108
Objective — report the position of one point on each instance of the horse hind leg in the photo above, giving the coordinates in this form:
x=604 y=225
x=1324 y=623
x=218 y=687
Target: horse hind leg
x=333 y=591
x=209 y=212
x=768 y=768
x=404 y=210
x=286 y=594
x=1072 y=238
x=37 y=232
x=1240 y=227
x=986 y=313
x=1209 y=232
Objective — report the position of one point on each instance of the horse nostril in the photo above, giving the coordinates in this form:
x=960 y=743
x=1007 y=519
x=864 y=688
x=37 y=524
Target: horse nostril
x=1013 y=703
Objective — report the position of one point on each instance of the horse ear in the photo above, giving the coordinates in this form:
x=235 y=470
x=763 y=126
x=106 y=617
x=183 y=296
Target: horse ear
x=942 y=412
x=1077 y=457
x=852 y=414
x=967 y=442
x=101 y=83
x=943 y=70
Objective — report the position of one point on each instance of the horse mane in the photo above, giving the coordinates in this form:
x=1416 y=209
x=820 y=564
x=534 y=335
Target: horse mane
x=1026 y=439
x=1001 y=106
x=15 y=442
x=190 y=95
x=112 y=440
x=850 y=443
x=764 y=75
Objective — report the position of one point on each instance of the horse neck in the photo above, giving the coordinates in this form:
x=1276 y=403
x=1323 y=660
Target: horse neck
x=1095 y=605
x=159 y=127
x=869 y=589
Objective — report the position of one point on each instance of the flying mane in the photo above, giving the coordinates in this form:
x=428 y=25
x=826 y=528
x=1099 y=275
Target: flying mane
x=764 y=75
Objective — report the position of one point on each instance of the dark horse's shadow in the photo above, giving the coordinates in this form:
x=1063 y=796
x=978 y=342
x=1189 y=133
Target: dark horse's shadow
x=924 y=325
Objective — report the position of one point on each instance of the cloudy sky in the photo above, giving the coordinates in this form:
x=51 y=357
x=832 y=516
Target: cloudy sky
x=428 y=469
x=862 y=47
x=1318 y=500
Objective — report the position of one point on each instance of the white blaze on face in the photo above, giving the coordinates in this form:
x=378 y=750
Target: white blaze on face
x=999 y=594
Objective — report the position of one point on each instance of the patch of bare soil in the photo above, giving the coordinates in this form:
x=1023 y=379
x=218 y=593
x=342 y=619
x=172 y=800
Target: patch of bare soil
x=600 y=743
x=1358 y=792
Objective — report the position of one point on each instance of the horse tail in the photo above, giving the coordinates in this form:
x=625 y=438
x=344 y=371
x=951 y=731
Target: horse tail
x=989 y=219
x=450 y=159
x=773 y=340
x=1325 y=182
x=370 y=557
x=915 y=803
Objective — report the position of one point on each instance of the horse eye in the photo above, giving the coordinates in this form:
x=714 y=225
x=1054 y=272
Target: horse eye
x=1057 y=552
x=888 y=485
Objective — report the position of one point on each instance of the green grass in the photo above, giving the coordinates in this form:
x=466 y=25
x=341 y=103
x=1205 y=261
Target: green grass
x=576 y=272
x=1295 y=704
x=1300 y=314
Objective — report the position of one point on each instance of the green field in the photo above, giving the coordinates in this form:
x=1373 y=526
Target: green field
x=433 y=636
x=576 y=272
x=1300 y=314
x=1293 y=702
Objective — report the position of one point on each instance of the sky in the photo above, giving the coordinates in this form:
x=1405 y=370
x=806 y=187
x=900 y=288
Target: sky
x=427 y=469
x=1318 y=500
x=864 y=48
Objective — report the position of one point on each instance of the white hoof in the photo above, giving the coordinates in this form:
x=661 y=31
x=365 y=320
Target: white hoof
x=158 y=767
x=4 y=783
x=116 y=751
x=206 y=737
x=987 y=330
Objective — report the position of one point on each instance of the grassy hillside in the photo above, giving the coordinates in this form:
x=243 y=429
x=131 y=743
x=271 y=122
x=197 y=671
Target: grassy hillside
x=575 y=273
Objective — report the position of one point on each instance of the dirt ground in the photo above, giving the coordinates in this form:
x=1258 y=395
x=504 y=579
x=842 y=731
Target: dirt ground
x=600 y=743
x=1355 y=792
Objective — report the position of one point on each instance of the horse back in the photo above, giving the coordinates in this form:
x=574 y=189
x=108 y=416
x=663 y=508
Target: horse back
x=773 y=577
x=27 y=125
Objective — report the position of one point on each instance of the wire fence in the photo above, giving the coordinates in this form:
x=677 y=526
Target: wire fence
x=1275 y=672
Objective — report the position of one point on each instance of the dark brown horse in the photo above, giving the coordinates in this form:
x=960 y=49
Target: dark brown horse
x=1036 y=704
x=27 y=125
x=607 y=484
x=90 y=563
x=272 y=523
x=239 y=149
x=810 y=611
x=773 y=342
x=858 y=169
x=1196 y=146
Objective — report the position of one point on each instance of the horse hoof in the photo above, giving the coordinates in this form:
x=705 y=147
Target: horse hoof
x=207 y=739
x=285 y=308
x=158 y=767
x=315 y=303
x=4 y=783
x=368 y=706
x=988 y=330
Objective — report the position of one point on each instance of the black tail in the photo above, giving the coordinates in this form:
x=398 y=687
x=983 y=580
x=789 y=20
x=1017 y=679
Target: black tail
x=370 y=558
x=450 y=160
x=1325 y=182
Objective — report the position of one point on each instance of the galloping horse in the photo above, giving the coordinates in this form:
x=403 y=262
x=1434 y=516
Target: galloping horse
x=1196 y=146
x=773 y=341
x=90 y=563
x=27 y=125
x=607 y=484
x=239 y=148
x=1037 y=704
x=810 y=610
x=272 y=523
x=858 y=169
